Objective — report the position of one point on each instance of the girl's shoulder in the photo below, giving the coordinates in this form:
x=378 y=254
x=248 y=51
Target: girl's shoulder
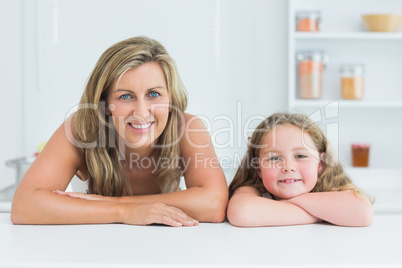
x=267 y=195
x=247 y=190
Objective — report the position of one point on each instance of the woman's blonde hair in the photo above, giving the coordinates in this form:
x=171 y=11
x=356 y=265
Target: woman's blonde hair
x=106 y=173
x=332 y=176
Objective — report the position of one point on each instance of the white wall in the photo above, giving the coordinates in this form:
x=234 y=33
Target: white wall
x=11 y=109
x=231 y=56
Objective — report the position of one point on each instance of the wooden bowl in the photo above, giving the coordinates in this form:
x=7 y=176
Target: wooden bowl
x=382 y=22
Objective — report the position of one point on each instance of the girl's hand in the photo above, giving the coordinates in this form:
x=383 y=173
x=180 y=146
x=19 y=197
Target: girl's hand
x=144 y=214
x=94 y=197
x=292 y=201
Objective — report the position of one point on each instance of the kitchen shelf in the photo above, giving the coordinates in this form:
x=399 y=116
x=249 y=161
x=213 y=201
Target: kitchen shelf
x=347 y=36
x=300 y=103
x=344 y=39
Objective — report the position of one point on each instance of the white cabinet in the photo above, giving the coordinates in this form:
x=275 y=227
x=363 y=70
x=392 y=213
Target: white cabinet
x=377 y=118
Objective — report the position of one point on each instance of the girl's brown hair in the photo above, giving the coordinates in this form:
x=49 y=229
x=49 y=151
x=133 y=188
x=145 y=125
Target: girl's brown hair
x=106 y=174
x=332 y=176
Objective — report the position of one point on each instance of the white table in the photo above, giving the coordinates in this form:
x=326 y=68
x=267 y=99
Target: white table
x=207 y=245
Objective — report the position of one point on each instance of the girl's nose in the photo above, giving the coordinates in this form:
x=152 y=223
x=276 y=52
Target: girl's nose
x=288 y=166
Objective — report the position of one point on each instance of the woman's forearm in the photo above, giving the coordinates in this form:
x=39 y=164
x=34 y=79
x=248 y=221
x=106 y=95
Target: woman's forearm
x=200 y=203
x=340 y=208
x=45 y=207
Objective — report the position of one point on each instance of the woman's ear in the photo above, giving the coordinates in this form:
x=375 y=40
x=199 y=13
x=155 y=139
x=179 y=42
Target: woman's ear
x=321 y=165
x=109 y=109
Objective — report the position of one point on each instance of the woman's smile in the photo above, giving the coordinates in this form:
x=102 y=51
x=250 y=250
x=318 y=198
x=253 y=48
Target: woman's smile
x=141 y=127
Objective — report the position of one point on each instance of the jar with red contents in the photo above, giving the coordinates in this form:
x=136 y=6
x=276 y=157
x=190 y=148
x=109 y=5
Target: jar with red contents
x=360 y=155
x=310 y=66
x=308 y=21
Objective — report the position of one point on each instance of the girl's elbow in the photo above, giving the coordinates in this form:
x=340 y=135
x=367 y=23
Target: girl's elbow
x=367 y=215
x=363 y=216
x=236 y=215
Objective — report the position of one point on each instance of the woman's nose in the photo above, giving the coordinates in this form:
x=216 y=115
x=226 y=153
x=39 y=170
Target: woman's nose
x=142 y=109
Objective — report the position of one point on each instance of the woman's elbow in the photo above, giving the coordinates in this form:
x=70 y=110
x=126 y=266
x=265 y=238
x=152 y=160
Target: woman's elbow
x=16 y=216
x=21 y=209
x=217 y=209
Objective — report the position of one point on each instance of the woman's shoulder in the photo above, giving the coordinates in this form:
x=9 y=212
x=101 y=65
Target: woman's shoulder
x=192 y=130
x=64 y=145
x=189 y=119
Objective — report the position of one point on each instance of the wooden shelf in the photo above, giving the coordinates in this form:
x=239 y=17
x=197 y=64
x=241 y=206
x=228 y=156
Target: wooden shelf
x=347 y=36
x=300 y=103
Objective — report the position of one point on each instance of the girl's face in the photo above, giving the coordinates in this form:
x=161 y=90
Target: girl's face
x=289 y=162
x=139 y=105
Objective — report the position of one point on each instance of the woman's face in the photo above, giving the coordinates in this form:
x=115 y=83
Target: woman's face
x=289 y=162
x=139 y=105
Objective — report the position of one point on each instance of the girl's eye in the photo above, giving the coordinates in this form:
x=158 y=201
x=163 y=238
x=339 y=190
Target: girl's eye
x=300 y=156
x=154 y=94
x=125 y=97
x=274 y=158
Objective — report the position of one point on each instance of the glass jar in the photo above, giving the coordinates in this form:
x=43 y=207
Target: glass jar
x=360 y=155
x=308 y=21
x=310 y=66
x=352 y=81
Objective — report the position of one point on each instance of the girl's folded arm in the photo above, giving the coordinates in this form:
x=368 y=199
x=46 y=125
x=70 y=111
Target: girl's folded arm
x=340 y=208
x=248 y=209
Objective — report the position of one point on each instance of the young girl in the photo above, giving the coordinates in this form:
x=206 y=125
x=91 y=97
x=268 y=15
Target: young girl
x=131 y=140
x=288 y=176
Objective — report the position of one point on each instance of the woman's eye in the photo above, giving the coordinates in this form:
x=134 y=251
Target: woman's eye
x=154 y=94
x=125 y=97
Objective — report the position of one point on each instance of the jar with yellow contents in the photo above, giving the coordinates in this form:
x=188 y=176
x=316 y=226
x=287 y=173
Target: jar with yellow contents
x=352 y=81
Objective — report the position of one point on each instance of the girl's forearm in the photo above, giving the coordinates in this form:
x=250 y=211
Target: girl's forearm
x=246 y=211
x=340 y=208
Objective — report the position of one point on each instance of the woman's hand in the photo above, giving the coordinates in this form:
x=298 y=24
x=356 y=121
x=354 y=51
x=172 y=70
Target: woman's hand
x=144 y=214
x=85 y=196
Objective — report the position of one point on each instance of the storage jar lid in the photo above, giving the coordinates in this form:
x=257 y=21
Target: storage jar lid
x=314 y=55
x=308 y=14
x=352 y=69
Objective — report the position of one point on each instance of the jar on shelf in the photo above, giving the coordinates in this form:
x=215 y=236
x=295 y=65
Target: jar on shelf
x=360 y=155
x=352 y=81
x=310 y=65
x=308 y=21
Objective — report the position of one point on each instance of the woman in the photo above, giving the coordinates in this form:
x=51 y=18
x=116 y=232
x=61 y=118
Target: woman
x=131 y=140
